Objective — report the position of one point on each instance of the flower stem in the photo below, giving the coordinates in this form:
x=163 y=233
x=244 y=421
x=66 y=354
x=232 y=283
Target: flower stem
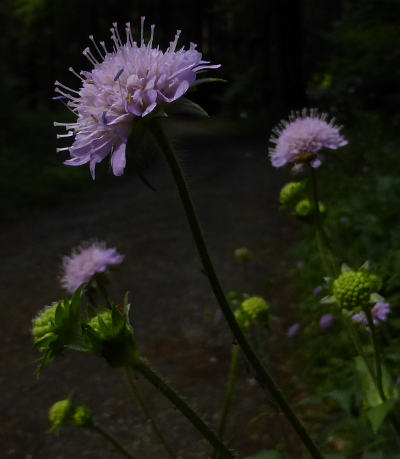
x=263 y=377
x=183 y=407
x=327 y=258
x=139 y=399
x=229 y=393
x=377 y=354
x=112 y=440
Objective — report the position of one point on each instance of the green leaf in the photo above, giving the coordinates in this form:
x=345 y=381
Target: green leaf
x=343 y=399
x=371 y=394
x=184 y=106
x=59 y=315
x=378 y=414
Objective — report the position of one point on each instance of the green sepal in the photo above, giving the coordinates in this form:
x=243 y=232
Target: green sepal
x=345 y=268
x=329 y=299
x=376 y=298
x=184 y=106
x=365 y=266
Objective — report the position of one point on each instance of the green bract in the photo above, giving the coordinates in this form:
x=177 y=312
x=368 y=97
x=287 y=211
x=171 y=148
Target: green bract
x=352 y=289
x=290 y=191
x=82 y=416
x=109 y=335
x=59 y=413
x=56 y=327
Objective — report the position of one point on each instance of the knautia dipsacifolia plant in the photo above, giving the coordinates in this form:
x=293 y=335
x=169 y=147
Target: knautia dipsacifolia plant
x=131 y=88
x=128 y=81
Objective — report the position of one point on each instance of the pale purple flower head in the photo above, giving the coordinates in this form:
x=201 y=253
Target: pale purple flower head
x=85 y=261
x=326 y=321
x=379 y=313
x=293 y=329
x=318 y=290
x=300 y=139
x=126 y=82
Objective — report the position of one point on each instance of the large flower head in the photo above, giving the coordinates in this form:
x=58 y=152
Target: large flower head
x=85 y=261
x=126 y=82
x=300 y=139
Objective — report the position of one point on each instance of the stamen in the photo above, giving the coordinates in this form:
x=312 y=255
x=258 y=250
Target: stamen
x=128 y=30
x=175 y=42
x=59 y=97
x=103 y=45
x=86 y=52
x=68 y=134
x=150 y=43
x=57 y=83
x=68 y=96
x=118 y=74
x=75 y=73
x=141 y=30
x=95 y=45
x=62 y=149
x=117 y=33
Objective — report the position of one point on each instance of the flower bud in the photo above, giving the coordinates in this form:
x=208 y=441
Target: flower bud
x=242 y=254
x=109 y=335
x=290 y=191
x=59 y=413
x=352 y=289
x=256 y=309
x=82 y=416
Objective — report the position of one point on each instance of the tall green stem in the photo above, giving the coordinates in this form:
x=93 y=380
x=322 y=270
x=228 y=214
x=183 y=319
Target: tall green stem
x=183 y=407
x=327 y=258
x=229 y=393
x=377 y=354
x=140 y=401
x=263 y=377
x=112 y=440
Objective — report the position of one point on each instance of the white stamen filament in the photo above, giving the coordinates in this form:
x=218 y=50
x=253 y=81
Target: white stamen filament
x=95 y=45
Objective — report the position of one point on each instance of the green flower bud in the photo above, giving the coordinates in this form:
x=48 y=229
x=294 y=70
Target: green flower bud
x=59 y=413
x=82 y=416
x=352 y=289
x=109 y=335
x=242 y=254
x=242 y=319
x=256 y=308
x=290 y=191
x=56 y=327
x=303 y=208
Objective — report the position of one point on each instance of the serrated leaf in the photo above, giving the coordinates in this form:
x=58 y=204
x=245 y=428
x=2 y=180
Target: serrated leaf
x=378 y=414
x=328 y=299
x=345 y=268
x=184 y=106
x=376 y=298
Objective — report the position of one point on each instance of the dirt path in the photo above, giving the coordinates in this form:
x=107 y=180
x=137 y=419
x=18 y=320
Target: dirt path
x=174 y=313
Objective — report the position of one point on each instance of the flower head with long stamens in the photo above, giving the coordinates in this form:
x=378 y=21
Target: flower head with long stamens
x=127 y=82
x=85 y=261
x=300 y=139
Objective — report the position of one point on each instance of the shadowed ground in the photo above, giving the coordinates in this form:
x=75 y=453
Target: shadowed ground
x=174 y=312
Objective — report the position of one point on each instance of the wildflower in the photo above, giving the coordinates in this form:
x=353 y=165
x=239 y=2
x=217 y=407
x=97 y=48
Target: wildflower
x=290 y=191
x=326 y=321
x=59 y=413
x=256 y=309
x=352 y=289
x=300 y=139
x=293 y=329
x=127 y=83
x=379 y=313
x=85 y=261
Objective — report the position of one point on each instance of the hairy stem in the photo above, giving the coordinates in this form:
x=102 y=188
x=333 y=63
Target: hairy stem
x=263 y=377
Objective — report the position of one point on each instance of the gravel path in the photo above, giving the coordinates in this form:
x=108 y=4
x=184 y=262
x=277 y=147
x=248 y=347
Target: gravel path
x=174 y=313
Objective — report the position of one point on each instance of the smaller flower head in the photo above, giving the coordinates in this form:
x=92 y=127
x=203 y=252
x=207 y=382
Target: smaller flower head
x=326 y=321
x=305 y=208
x=109 y=335
x=318 y=290
x=352 y=289
x=82 y=416
x=56 y=327
x=85 y=261
x=256 y=309
x=292 y=330
x=59 y=413
x=290 y=191
x=300 y=139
